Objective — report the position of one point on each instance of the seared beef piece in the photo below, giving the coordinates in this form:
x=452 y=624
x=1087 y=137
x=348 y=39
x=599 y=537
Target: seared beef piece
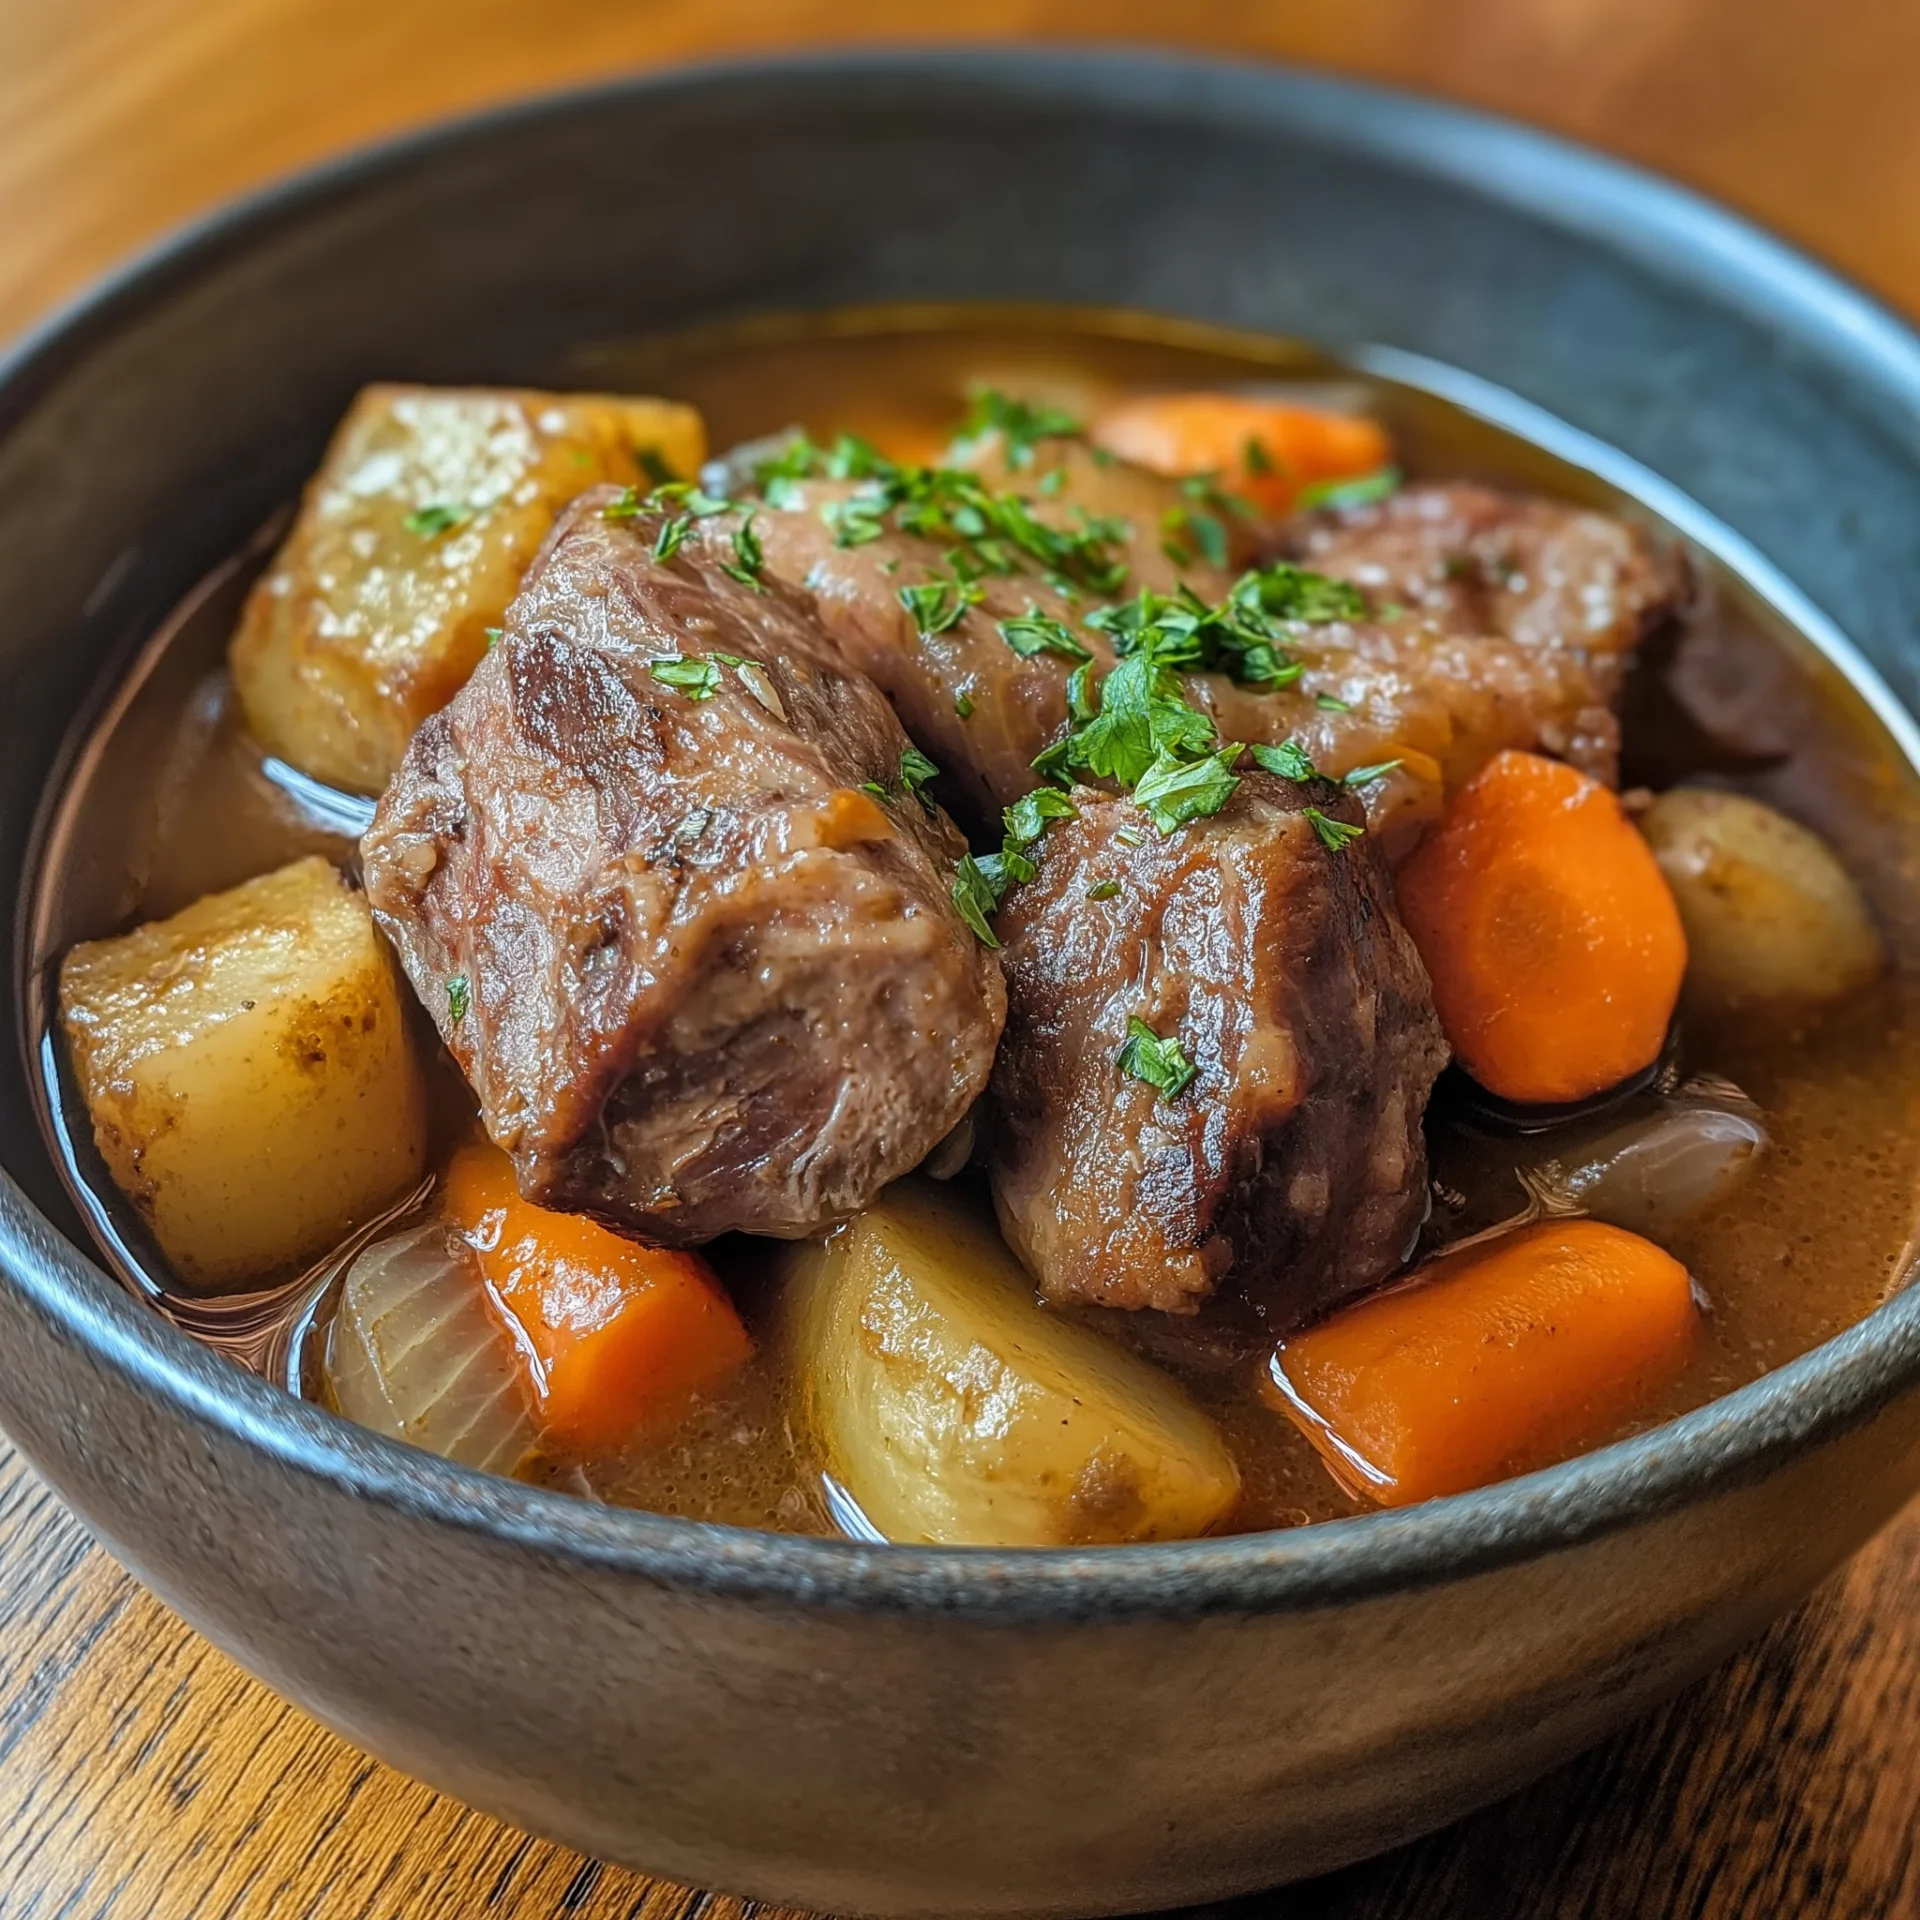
x=707 y=981
x=1576 y=591
x=978 y=707
x=1291 y=1172
x=1405 y=686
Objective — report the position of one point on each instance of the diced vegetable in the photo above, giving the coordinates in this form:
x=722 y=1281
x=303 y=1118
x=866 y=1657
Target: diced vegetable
x=1489 y=1362
x=414 y=1353
x=1652 y=1172
x=250 y=1073
x=1554 y=945
x=410 y=542
x=953 y=1408
x=617 y=1335
x=1269 y=451
x=1772 y=918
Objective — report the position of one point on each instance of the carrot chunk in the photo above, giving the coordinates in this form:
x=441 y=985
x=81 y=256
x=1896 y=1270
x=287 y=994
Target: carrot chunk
x=1548 y=929
x=614 y=1334
x=1266 y=450
x=1489 y=1362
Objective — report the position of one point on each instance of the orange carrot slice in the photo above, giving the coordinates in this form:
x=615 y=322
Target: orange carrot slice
x=614 y=1334
x=1264 y=450
x=1489 y=1362
x=1548 y=929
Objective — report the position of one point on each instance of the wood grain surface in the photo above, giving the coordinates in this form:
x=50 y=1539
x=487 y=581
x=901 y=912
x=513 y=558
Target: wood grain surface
x=141 y=1774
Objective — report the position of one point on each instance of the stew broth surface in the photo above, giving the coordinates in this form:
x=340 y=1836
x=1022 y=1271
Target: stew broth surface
x=172 y=800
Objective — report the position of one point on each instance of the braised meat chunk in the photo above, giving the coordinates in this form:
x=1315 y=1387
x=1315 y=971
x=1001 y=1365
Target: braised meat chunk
x=1219 y=1048
x=1576 y=591
x=677 y=906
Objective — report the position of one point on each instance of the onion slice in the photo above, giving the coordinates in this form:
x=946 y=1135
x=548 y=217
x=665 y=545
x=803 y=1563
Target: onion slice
x=414 y=1353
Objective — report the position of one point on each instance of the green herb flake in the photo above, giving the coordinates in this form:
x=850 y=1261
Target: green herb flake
x=963 y=705
x=1030 y=816
x=442 y=516
x=1362 y=492
x=1162 y=1064
x=916 y=770
x=1255 y=457
x=1131 y=837
x=1331 y=703
x=459 y=999
x=1033 y=633
x=1172 y=792
x=1360 y=776
x=494 y=636
x=749 y=556
x=1335 y=835
x=693 y=676
x=1104 y=890
x=1289 y=760
x=672 y=536
x=937 y=605
x=873 y=787
x=1019 y=424
x=974 y=898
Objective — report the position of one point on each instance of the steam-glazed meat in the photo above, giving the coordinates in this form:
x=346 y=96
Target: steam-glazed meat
x=675 y=908
x=1397 y=680
x=1576 y=591
x=1291 y=1170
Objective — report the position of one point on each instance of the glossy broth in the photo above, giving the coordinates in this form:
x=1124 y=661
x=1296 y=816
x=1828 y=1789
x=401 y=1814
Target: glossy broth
x=171 y=800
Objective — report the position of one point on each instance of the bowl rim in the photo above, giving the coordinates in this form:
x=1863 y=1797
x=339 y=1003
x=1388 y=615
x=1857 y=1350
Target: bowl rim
x=1730 y=1441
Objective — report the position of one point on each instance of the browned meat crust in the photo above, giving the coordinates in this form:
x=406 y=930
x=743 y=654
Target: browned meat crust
x=1573 y=590
x=707 y=981
x=1292 y=1171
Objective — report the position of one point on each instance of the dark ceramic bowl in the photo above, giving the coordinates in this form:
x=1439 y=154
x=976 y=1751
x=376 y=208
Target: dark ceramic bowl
x=903 y=1730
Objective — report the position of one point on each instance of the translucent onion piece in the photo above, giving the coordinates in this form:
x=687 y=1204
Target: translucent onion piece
x=414 y=1354
x=1650 y=1173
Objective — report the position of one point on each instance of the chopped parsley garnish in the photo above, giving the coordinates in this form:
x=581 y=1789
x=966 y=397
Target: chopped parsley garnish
x=692 y=675
x=963 y=705
x=1162 y=1064
x=494 y=635
x=937 y=604
x=1359 y=776
x=676 y=496
x=915 y=771
x=1289 y=760
x=653 y=463
x=459 y=999
x=1331 y=703
x=1030 y=816
x=672 y=535
x=1188 y=531
x=974 y=898
x=1172 y=792
x=1335 y=835
x=1287 y=592
x=1104 y=890
x=1142 y=715
x=1256 y=457
x=1018 y=424
x=873 y=787
x=1034 y=632
x=442 y=516
x=749 y=557
x=1362 y=492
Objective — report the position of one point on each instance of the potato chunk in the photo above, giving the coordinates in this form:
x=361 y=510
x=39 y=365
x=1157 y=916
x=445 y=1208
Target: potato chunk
x=410 y=542
x=957 y=1410
x=247 y=1064
x=1772 y=917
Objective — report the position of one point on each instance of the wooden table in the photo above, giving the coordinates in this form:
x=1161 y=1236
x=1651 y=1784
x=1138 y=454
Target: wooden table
x=141 y=1774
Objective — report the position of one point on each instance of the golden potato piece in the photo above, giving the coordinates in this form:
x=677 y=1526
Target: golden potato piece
x=411 y=540
x=1772 y=917
x=250 y=1073
x=957 y=1410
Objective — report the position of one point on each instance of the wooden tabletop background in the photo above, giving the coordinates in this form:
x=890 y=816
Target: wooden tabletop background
x=141 y=1773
